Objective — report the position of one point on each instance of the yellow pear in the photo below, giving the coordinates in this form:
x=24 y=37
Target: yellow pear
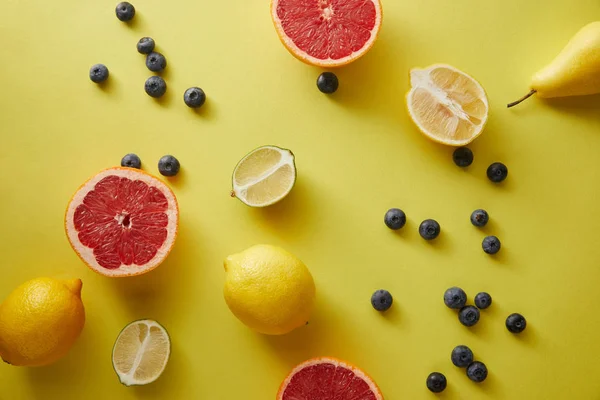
x=574 y=72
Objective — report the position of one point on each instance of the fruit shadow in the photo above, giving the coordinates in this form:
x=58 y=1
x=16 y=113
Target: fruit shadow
x=165 y=99
x=109 y=86
x=207 y=111
x=442 y=243
x=491 y=386
x=137 y=24
x=179 y=180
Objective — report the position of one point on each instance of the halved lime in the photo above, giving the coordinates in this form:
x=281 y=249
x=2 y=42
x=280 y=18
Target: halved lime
x=264 y=176
x=141 y=352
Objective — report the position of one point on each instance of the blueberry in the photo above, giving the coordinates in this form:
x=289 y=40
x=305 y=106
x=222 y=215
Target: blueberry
x=395 y=218
x=477 y=371
x=468 y=315
x=156 y=62
x=455 y=298
x=125 y=11
x=155 y=86
x=483 y=300
x=168 y=166
x=145 y=45
x=382 y=300
x=497 y=172
x=463 y=157
x=98 y=73
x=480 y=218
x=194 y=97
x=327 y=82
x=132 y=161
x=436 y=382
x=516 y=323
x=491 y=244
x=429 y=229
x=462 y=356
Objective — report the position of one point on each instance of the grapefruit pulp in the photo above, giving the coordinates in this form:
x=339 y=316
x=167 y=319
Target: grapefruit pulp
x=122 y=222
x=327 y=378
x=327 y=33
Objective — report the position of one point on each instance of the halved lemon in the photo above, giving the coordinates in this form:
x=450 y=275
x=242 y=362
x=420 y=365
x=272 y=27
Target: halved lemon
x=447 y=105
x=264 y=176
x=141 y=352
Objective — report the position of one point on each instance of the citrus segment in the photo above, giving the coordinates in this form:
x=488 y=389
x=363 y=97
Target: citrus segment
x=122 y=222
x=264 y=176
x=447 y=105
x=327 y=33
x=328 y=379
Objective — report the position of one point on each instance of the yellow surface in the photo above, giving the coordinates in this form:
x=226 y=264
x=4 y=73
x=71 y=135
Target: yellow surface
x=357 y=155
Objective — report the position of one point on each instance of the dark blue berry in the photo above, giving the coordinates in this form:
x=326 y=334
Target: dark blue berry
x=429 y=229
x=480 y=218
x=468 y=315
x=132 y=161
x=382 y=300
x=155 y=86
x=156 y=62
x=497 y=172
x=455 y=298
x=436 y=382
x=194 y=97
x=491 y=244
x=395 y=218
x=98 y=73
x=463 y=157
x=483 y=300
x=462 y=356
x=125 y=11
x=516 y=323
x=168 y=166
x=327 y=82
x=477 y=371
x=145 y=45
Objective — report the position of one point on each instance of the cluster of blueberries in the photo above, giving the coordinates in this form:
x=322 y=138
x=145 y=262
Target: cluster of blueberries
x=167 y=165
x=155 y=86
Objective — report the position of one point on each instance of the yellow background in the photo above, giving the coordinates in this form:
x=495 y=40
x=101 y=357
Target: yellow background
x=357 y=155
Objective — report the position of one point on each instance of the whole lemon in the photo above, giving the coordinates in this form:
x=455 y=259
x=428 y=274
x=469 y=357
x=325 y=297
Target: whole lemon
x=40 y=321
x=269 y=289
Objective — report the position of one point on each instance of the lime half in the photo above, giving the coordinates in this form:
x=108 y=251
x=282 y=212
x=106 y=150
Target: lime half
x=264 y=176
x=141 y=352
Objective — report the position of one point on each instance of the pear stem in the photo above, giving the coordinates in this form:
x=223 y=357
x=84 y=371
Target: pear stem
x=522 y=99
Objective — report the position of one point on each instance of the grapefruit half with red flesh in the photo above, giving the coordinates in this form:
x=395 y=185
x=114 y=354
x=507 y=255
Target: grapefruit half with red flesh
x=327 y=33
x=328 y=378
x=122 y=222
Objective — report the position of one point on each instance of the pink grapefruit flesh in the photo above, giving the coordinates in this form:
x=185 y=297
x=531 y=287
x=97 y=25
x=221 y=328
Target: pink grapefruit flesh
x=327 y=33
x=122 y=222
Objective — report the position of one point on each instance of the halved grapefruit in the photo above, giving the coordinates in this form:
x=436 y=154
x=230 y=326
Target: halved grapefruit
x=122 y=222
x=327 y=378
x=327 y=33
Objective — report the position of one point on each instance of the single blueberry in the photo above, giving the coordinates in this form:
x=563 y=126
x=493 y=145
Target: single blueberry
x=429 y=229
x=477 y=371
x=463 y=157
x=98 y=73
x=480 y=218
x=455 y=298
x=436 y=382
x=468 y=315
x=462 y=356
x=382 y=300
x=497 y=172
x=327 y=82
x=491 y=244
x=194 y=97
x=395 y=218
x=168 y=166
x=155 y=86
x=125 y=11
x=156 y=62
x=516 y=323
x=483 y=300
x=145 y=45
x=132 y=161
